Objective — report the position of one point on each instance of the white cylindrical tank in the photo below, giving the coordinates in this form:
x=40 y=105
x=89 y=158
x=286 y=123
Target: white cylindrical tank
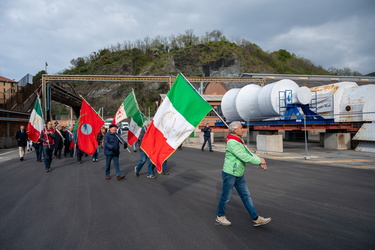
x=268 y=98
x=357 y=104
x=228 y=105
x=329 y=98
x=303 y=96
x=247 y=103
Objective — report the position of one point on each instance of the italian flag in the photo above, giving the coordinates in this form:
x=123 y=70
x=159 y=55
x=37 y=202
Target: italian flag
x=181 y=111
x=36 y=122
x=135 y=127
x=127 y=109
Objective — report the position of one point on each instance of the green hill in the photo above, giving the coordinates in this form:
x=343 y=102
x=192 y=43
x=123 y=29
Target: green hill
x=202 y=58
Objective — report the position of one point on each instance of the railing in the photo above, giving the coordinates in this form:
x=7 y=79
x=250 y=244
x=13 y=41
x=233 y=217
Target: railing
x=23 y=100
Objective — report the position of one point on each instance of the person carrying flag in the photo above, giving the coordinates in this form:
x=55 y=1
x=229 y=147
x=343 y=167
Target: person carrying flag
x=48 y=138
x=143 y=157
x=112 y=151
x=236 y=156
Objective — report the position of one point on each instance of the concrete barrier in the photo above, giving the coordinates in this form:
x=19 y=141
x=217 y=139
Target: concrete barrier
x=270 y=143
x=337 y=141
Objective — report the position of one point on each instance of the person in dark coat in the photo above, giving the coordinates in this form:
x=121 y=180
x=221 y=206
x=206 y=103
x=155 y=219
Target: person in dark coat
x=79 y=152
x=38 y=149
x=66 y=141
x=112 y=151
x=207 y=137
x=59 y=142
x=99 y=139
x=69 y=142
x=21 y=137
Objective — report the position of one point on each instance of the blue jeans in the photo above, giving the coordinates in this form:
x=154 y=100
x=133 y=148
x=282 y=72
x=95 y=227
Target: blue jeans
x=230 y=181
x=47 y=151
x=142 y=161
x=207 y=139
x=95 y=156
x=38 y=151
x=108 y=159
x=135 y=146
x=164 y=167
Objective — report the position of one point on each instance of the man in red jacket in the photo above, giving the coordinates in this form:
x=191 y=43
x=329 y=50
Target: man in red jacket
x=48 y=138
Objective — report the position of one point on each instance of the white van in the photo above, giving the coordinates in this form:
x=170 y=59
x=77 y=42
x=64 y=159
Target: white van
x=124 y=125
x=108 y=122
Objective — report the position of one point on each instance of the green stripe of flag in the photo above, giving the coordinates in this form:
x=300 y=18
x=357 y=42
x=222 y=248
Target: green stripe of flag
x=130 y=105
x=38 y=108
x=181 y=93
x=138 y=118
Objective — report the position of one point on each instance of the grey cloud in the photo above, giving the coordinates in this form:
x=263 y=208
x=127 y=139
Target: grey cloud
x=328 y=32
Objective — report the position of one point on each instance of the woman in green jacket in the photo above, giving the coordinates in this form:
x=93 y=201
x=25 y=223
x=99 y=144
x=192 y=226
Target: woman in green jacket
x=236 y=157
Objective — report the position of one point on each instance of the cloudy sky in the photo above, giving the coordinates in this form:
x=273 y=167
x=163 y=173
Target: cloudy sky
x=330 y=33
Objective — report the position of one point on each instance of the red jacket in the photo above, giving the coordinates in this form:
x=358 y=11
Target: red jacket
x=51 y=136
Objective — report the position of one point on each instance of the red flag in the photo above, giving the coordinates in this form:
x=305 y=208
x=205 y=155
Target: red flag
x=89 y=126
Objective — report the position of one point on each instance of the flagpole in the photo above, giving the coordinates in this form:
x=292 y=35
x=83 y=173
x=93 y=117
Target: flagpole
x=91 y=107
x=143 y=115
x=202 y=98
x=120 y=141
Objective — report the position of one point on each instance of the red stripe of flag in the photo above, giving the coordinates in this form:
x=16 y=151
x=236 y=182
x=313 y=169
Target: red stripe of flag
x=157 y=146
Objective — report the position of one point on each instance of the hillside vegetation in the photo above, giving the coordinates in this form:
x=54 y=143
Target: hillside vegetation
x=210 y=56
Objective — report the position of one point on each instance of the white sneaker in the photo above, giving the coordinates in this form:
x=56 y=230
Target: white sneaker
x=261 y=221
x=222 y=220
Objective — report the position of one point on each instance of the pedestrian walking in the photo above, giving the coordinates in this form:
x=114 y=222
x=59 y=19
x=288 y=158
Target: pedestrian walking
x=135 y=145
x=236 y=157
x=143 y=157
x=207 y=137
x=112 y=151
x=21 y=137
x=29 y=145
x=69 y=142
x=79 y=154
x=38 y=146
x=99 y=139
x=165 y=168
x=59 y=142
x=47 y=136
x=103 y=131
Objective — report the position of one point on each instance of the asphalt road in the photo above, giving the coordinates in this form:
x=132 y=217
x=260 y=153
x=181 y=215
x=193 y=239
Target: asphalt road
x=313 y=206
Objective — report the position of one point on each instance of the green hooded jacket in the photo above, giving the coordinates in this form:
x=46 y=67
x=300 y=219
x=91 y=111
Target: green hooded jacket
x=236 y=157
